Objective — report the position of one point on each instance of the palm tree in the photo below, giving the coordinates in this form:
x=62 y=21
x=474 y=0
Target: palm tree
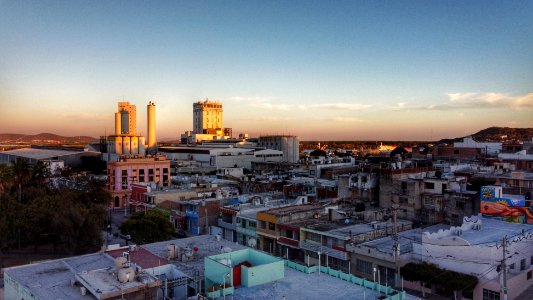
x=21 y=174
x=40 y=172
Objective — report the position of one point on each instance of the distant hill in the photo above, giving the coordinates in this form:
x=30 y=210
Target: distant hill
x=498 y=134
x=43 y=138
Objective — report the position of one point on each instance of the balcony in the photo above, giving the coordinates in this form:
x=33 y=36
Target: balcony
x=268 y=233
x=324 y=250
x=246 y=231
x=288 y=242
x=226 y=225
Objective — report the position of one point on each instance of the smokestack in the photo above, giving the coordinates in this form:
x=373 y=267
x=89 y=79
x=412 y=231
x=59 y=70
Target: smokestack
x=152 y=143
x=118 y=128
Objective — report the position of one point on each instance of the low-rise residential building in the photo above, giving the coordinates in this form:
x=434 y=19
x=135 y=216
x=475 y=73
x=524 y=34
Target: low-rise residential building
x=267 y=229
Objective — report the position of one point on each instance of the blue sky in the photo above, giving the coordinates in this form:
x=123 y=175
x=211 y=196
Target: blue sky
x=345 y=70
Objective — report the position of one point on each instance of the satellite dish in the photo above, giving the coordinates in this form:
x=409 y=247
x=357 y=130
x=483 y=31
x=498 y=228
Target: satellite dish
x=252 y=243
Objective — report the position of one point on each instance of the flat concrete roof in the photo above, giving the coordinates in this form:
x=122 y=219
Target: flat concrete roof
x=298 y=285
x=140 y=256
x=492 y=232
x=51 y=280
x=207 y=245
x=39 y=154
x=406 y=238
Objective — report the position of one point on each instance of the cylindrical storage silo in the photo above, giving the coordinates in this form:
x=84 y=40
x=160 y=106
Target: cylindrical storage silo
x=151 y=125
x=126 y=145
x=134 y=145
x=118 y=120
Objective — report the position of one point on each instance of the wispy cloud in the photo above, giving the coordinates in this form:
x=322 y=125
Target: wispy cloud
x=247 y=99
x=474 y=101
x=339 y=106
x=270 y=106
x=336 y=119
x=264 y=118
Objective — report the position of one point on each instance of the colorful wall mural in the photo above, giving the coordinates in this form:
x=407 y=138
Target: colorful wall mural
x=508 y=208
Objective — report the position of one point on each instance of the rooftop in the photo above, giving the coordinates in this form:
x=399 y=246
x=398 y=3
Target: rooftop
x=140 y=256
x=299 y=285
x=38 y=154
x=206 y=245
x=292 y=209
x=51 y=280
x=490 y=233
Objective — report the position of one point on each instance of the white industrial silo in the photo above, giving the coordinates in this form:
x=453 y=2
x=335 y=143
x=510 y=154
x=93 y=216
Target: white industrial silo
x=151 y=125
x=118 y=120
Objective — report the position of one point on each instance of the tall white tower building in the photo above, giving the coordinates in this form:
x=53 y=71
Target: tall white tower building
x=150 y=109
x=207 y=118
x=130 y=128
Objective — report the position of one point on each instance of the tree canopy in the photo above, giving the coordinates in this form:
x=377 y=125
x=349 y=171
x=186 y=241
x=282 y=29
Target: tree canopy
x=148 y=227
x=449 y=281
x=32 y=214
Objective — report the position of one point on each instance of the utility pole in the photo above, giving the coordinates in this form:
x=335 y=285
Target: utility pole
x=396 y=247
x=504 y=269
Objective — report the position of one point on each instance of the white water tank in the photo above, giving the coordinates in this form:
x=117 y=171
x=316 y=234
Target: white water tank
x=121 y=262
x=126 y=275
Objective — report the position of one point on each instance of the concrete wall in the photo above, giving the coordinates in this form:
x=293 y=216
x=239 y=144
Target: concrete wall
x=262 y=274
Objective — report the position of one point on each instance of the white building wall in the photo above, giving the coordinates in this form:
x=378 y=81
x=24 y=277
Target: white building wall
x=492 y=149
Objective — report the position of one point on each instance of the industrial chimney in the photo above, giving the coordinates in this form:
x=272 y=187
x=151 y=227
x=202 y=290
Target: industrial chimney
x=152 y=143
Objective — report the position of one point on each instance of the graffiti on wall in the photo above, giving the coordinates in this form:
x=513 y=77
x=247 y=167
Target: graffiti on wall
x=510 y=209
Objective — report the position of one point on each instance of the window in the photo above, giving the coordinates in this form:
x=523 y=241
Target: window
x=460 y=204
x=531 y=262
x=429 y=185
x=363 y=266
x=490 y=295
x=522 y=264
x=403 y=200
x=271 y=226
x=512 y=266
x=404 y=185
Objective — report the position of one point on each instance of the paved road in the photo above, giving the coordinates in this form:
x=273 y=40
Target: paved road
x=113 y=236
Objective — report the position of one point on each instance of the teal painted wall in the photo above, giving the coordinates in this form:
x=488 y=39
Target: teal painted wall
x=214 y=272
x=265 y=268
x=262 y=274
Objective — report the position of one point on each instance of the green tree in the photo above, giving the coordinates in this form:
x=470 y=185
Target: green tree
x=148 y=227
x=40 y=172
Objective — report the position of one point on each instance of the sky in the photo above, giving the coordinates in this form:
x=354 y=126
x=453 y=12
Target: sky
x=322 y=70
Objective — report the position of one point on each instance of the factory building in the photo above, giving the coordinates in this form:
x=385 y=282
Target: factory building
x=125 y=141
